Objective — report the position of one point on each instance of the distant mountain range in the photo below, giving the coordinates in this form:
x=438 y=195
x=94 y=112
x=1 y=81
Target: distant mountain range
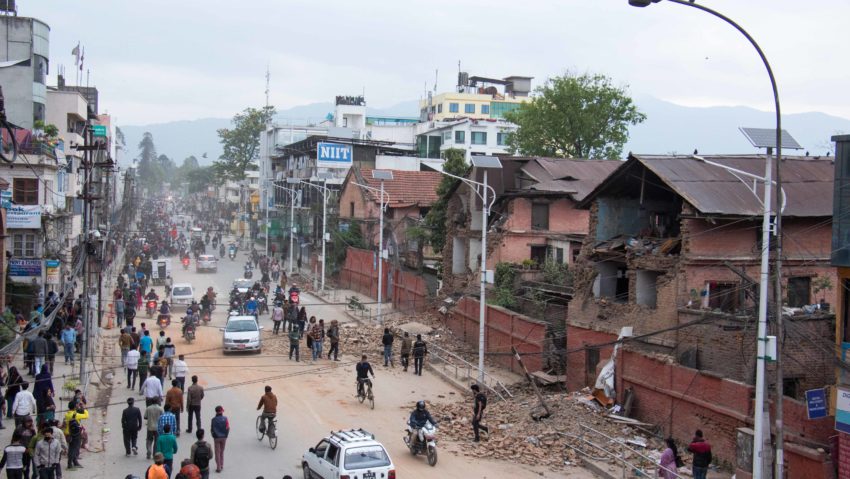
x=668 y=128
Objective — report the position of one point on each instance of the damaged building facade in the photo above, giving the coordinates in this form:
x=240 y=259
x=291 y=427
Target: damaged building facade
x=673 y=251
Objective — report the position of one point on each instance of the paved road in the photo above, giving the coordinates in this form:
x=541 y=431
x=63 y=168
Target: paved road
x=314 y=399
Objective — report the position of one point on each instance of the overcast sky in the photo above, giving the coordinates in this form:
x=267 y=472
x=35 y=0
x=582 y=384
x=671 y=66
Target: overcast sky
x=156 y=61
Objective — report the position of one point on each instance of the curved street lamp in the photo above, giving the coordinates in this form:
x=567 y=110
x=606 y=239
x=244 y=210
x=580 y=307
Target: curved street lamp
x=761 y=434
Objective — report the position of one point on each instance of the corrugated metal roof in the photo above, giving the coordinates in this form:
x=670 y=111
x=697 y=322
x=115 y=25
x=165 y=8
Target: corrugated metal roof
x=808 y=183
x=567 y=175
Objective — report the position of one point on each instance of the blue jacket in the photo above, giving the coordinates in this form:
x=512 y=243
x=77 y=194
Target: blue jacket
x=219 y=426
x=69 y=335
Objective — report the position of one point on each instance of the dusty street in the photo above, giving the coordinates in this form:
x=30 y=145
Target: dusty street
x=314 y=399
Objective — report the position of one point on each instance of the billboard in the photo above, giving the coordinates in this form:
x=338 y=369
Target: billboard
x=23 y=217
x=51 y=271
x=25 y=267
x=334 y=155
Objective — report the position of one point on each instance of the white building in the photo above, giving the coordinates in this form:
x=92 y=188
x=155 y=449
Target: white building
x=476 y=136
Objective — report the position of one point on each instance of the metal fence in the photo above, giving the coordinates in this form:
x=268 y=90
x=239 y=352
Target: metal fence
x=462 y=370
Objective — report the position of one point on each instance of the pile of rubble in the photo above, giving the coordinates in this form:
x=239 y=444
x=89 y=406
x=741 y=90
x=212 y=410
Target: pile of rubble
x=556 y=441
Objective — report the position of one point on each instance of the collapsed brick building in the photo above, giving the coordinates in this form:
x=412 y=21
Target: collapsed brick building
x=673 y=251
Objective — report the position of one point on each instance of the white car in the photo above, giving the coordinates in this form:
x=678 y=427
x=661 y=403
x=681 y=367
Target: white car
x=241 y=333
x=243 y=285
x=182 y=293
x=348 y=453
x=206 y=262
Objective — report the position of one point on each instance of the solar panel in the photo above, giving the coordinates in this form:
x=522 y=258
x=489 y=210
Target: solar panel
x=766 y=138
x=382 y=174
x=486 y=162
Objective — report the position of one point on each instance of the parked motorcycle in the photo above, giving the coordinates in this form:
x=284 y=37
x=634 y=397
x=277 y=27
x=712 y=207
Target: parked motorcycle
x=427 y=447
x=150 y=307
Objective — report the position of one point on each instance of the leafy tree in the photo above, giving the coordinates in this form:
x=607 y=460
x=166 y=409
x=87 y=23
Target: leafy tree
x=353 y=237
x=150 y=172
x=571 y=116
x=241 y=144
x=200 y=178
x=435 y=220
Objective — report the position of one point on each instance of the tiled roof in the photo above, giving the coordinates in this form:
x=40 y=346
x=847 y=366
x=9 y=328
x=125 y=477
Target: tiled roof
x=407 y=188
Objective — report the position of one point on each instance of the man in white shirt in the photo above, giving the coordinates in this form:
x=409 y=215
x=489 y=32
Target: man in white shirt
x=24 y=404
x=132 y=364
x=181 y=370
x=151 y=389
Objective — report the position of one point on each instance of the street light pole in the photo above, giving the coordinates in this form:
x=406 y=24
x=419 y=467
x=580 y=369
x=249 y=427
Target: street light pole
x=761 y=439
x=381 y=175
x=292 y=194
x=484 y=163
x=267 y=215
x=324 y=190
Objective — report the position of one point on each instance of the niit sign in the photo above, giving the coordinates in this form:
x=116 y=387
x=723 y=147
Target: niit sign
x=333 y=155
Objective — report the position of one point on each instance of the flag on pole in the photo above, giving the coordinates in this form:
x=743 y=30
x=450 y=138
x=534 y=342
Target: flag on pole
x=76 y=53
x=82 y=58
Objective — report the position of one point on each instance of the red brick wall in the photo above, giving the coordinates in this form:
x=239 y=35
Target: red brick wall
x=504 y=329
x=358 y=273
x=681 y=400
x=410 y=292
x=843 y=455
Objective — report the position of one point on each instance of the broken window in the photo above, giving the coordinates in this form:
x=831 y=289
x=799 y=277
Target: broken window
x=724 y=296
x=611 y=281
x=540 y=216
x=645 y=287
x=791 y=387
x=799 y=291
x=591 y=361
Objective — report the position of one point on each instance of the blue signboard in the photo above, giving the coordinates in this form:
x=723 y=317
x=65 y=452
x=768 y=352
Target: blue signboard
x=25 y=267
x=816 y=403
x=333 y=155
x=842 y=410
x=5 y=199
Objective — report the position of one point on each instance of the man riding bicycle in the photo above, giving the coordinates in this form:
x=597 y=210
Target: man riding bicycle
x=268 y=402
x=363 y=370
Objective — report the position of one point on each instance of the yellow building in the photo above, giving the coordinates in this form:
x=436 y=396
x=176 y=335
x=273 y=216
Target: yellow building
x=477 y=98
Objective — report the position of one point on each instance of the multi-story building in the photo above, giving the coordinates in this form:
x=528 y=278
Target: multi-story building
x=841 y=261
x=25 y=53
x=472 y=117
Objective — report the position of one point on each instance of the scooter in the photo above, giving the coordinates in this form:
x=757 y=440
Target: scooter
x=150 y=307
x=185 y=263
x=232 y=255
x=163 y=320
x=427 y=447
x=249 y=272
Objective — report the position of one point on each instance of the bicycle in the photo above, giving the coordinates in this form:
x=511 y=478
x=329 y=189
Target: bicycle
x=365 y=392
x=261 y=430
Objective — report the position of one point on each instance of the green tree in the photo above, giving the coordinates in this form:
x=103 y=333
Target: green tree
x=150 y=172
x=241 y=144
x=342 y=239
x=200 y=178
x=435 y=220
x=574 y=116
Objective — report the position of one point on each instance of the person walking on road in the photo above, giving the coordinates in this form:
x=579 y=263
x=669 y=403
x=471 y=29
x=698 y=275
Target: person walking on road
x=166 y=444
x=277 y=317
x=131 y=424
x=193 y=404
x=406 y=346
x=69 y=339
x=420 y=349
x=13 y=458
x=152 y=390
x=132 y=364
x=146 y=343
x=318 y=333
x=181 y=369
x=24 y=405
x=201 y=454
x=152 y=414
x=124 y=342
x=157 y=470
x=220 y=428
x=387 y=340
x=144 y=366
x=189 y=470
x=702 y=455
x=294 y=343
x=119 y=310
x=48 y=453
x=174 y=401
x=478 y=412
x=333 y=336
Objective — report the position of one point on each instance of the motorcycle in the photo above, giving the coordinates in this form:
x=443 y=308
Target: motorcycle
x=427 y=447
x=150 y=307
x=232 y=254
x=163 y=320
x=185 y=263
x=249 y=272
x=189 y=332
x=205 y=316
x=262 y=306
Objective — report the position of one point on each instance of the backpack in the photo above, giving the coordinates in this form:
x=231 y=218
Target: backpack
x=202 y=456
x=74 y=427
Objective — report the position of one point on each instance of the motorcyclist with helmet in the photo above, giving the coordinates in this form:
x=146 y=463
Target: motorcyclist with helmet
x=164 y=313
x=418 y=419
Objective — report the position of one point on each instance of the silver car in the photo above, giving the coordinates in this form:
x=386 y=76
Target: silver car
x=241 y=333
x=182 y=293
x=206 y=262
